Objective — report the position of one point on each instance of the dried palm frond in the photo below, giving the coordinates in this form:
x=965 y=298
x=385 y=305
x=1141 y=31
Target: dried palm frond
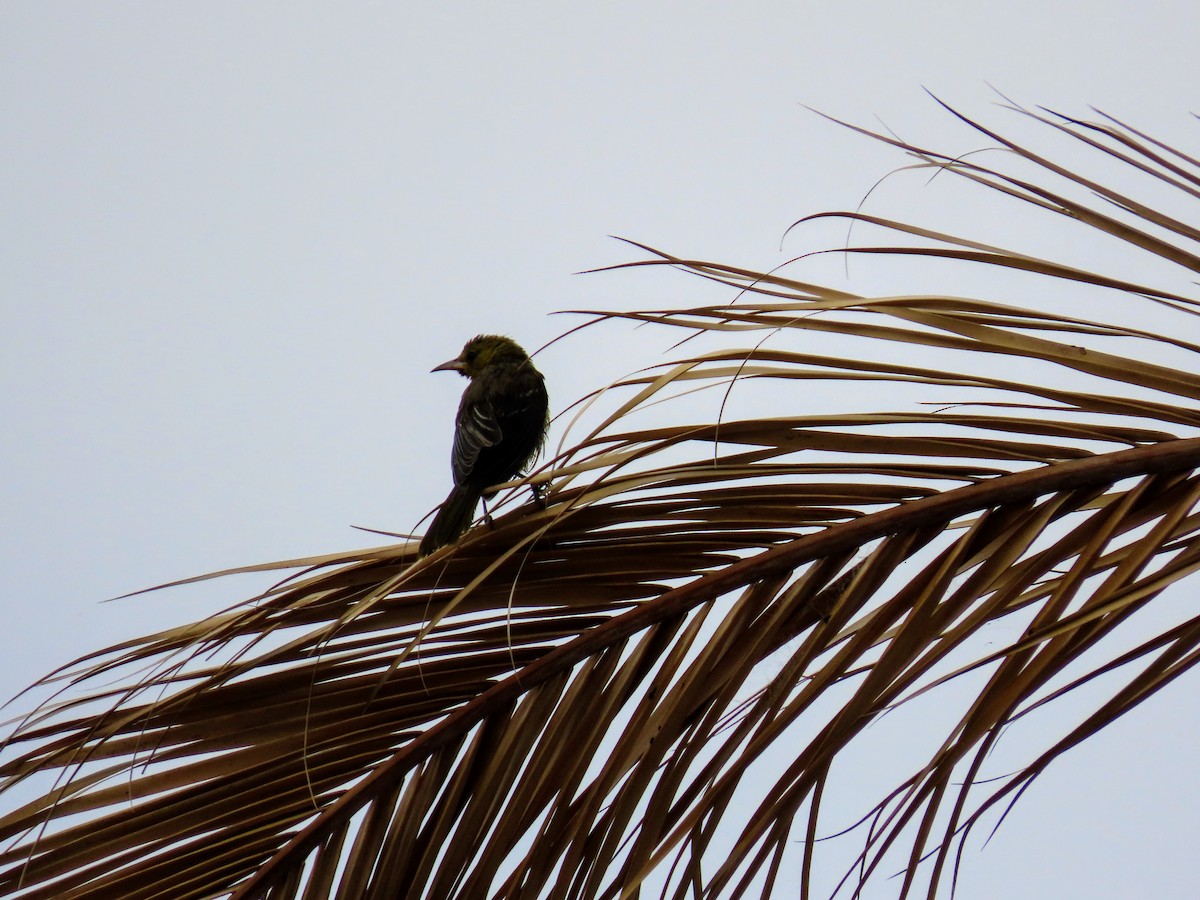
x=651 y=679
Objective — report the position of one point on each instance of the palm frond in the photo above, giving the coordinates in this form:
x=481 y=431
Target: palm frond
x=651 y=679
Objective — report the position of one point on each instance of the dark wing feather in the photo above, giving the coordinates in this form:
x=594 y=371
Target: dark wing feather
x=475 y=429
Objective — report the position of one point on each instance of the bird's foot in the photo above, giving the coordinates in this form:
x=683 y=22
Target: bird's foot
x=539 y=494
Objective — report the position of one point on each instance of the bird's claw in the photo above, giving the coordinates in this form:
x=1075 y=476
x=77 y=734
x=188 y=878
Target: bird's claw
x=539 y=494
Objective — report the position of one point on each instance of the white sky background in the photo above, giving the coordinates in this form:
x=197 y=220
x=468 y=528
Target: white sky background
x=234 y=238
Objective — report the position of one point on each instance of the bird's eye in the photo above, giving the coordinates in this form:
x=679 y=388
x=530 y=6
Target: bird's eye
x=471 y=354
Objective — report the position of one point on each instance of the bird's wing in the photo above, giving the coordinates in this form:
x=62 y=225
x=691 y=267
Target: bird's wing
x=475 y=428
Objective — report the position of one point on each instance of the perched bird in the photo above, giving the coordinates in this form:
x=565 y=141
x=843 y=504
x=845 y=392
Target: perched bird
x=500 y=427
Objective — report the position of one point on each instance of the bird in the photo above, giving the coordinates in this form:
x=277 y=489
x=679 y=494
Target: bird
x=499 y=429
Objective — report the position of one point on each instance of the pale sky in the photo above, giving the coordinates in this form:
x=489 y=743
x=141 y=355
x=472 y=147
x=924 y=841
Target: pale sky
x=235 y=237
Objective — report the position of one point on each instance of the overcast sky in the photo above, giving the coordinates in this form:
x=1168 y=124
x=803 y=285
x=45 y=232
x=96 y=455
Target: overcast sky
x=235 y=237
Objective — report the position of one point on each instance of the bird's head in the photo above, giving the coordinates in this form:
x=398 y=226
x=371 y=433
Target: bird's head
x=480 y=352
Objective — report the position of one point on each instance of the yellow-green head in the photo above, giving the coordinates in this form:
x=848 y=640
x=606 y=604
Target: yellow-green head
x=480 y=352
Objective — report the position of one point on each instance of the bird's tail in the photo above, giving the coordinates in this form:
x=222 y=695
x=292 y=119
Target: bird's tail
x=452 y=518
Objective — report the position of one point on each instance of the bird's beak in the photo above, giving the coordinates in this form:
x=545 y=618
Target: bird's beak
x=454 y=365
